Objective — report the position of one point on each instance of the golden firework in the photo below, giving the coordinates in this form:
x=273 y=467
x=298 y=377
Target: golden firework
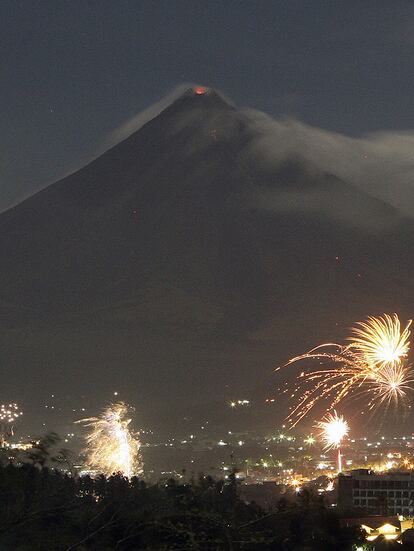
x=333 y=429
x=111 y=447
x=372 y=364
x=380 y=341
x=9 y=415
x=392 y=382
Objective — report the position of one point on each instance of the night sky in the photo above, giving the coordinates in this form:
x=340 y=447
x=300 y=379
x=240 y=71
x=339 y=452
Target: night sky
x=73 y=71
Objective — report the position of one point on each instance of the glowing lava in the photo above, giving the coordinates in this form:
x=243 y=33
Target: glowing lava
x=200 y=90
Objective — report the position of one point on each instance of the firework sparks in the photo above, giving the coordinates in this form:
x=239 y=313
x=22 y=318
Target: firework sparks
x=111 y=447
x=372 y=364
x=9 y=414
x=380 y=341
x=333 y=429
x=392 y=382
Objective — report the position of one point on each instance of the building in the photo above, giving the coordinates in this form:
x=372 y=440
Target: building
x=390 y=493
x=390 y=528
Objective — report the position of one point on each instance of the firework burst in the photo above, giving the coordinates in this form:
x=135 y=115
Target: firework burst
x=392 y=383
x=333 y=429
x=380 y=342
x=9 y=414
x=373 y=364
x=111 y=446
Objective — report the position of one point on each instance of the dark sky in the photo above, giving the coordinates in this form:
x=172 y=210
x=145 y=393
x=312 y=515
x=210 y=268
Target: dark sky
x=73 y=71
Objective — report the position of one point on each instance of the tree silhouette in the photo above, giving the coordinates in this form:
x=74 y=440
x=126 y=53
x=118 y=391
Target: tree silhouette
x=44 y=508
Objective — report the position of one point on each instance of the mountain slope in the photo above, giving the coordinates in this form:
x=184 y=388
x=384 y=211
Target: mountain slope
x=177 y=262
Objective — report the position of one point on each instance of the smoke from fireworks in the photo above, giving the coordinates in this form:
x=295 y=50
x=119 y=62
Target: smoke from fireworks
x=372 y=364
x=111 y=446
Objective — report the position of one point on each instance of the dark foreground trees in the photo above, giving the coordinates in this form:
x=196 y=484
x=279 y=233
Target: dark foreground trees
x=45 y=509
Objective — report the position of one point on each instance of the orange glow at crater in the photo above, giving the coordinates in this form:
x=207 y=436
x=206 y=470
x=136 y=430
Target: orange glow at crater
x=200 y=90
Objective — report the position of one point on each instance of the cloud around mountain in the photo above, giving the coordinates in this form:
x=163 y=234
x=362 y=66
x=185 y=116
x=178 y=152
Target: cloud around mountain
x=380 y=163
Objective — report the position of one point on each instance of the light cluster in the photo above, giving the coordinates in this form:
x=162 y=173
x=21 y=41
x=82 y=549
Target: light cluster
x=9 y=413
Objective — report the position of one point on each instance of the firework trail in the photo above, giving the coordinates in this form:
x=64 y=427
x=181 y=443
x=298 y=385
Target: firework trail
x=373 y=363
x=111 y=447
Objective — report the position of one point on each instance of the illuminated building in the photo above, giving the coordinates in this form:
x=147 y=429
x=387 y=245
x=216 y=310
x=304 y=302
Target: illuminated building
x=389 y=493
x=390 y=528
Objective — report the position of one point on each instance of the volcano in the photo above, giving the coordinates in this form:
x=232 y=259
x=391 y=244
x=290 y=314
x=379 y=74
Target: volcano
x=179 y=264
